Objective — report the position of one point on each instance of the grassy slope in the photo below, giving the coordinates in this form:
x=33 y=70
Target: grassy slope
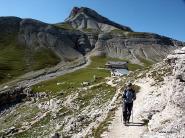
x=16 y=60
x=45 y=126
x=26 y=112
x=146 y=62
x=102 y=92
x=103 y=125
x=38 y=129
x=44 y=58
x=69 y=84
x=71 y=81
x=65 y=26
x=130 y=34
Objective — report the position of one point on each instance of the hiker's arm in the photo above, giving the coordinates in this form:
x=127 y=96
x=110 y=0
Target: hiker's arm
x=124 y=96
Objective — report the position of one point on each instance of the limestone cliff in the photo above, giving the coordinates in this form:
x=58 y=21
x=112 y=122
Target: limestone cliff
x=164 y=97
x=85 y=18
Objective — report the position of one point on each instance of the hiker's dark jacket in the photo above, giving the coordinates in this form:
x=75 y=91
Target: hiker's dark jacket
x=129 y=95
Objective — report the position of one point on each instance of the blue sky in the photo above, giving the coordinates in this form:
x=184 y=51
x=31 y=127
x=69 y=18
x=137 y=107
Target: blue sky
x=165 y=17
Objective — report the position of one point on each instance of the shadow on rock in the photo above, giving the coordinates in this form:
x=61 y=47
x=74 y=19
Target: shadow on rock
x=136 y=124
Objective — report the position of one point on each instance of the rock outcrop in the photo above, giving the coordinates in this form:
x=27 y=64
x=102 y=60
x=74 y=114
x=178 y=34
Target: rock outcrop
x=37 y=34
x=85 y=18
x=134 y=46
x=163 y=104
x=13 y=95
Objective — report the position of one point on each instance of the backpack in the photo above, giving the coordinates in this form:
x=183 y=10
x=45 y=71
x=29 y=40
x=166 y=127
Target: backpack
x=128 y=96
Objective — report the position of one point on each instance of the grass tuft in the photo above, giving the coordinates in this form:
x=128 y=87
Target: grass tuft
x=65 y=26
x=103 y=125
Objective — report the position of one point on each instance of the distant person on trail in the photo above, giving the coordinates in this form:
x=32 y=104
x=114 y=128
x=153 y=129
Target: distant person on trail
x=128 y=97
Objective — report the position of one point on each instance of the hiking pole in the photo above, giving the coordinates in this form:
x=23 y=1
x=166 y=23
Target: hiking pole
x=132 y=115
x=122 y=112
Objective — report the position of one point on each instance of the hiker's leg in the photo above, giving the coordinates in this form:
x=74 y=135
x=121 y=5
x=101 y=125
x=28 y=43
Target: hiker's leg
x=130 y=105
x=125 y=111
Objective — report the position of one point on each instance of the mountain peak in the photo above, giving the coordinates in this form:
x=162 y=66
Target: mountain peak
x=83 y=10
x=86 y=18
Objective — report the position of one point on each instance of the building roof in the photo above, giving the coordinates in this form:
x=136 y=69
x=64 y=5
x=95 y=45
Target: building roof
x=121 y=71
x=116 y=63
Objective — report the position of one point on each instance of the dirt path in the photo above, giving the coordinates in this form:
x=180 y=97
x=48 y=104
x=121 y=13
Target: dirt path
x=136 y=128
x=33 y=78
x=55 y=74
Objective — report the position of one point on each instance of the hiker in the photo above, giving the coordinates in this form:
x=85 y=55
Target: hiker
x=56 y=135
x=128 y=97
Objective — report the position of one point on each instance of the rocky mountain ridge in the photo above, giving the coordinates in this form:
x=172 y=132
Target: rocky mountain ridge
x=85 y=18
x=84 y=32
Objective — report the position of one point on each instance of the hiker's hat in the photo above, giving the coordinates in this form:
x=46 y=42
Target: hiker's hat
x=129 y=84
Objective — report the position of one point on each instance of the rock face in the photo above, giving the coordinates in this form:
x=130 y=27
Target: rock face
x=13 y=95
x=114 y=40
x=164 y=102
x=177 y=60
x=37 y=34
x=85 y=18
x=134 y=46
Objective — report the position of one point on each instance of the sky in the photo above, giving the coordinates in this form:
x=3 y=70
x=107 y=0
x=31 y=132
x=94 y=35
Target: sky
x=164 y=17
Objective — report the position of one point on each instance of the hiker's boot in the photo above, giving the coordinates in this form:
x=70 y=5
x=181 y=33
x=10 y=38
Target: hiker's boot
x=125 y=122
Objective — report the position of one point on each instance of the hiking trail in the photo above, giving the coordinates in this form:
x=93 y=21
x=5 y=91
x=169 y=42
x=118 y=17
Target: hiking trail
x=134 y=129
